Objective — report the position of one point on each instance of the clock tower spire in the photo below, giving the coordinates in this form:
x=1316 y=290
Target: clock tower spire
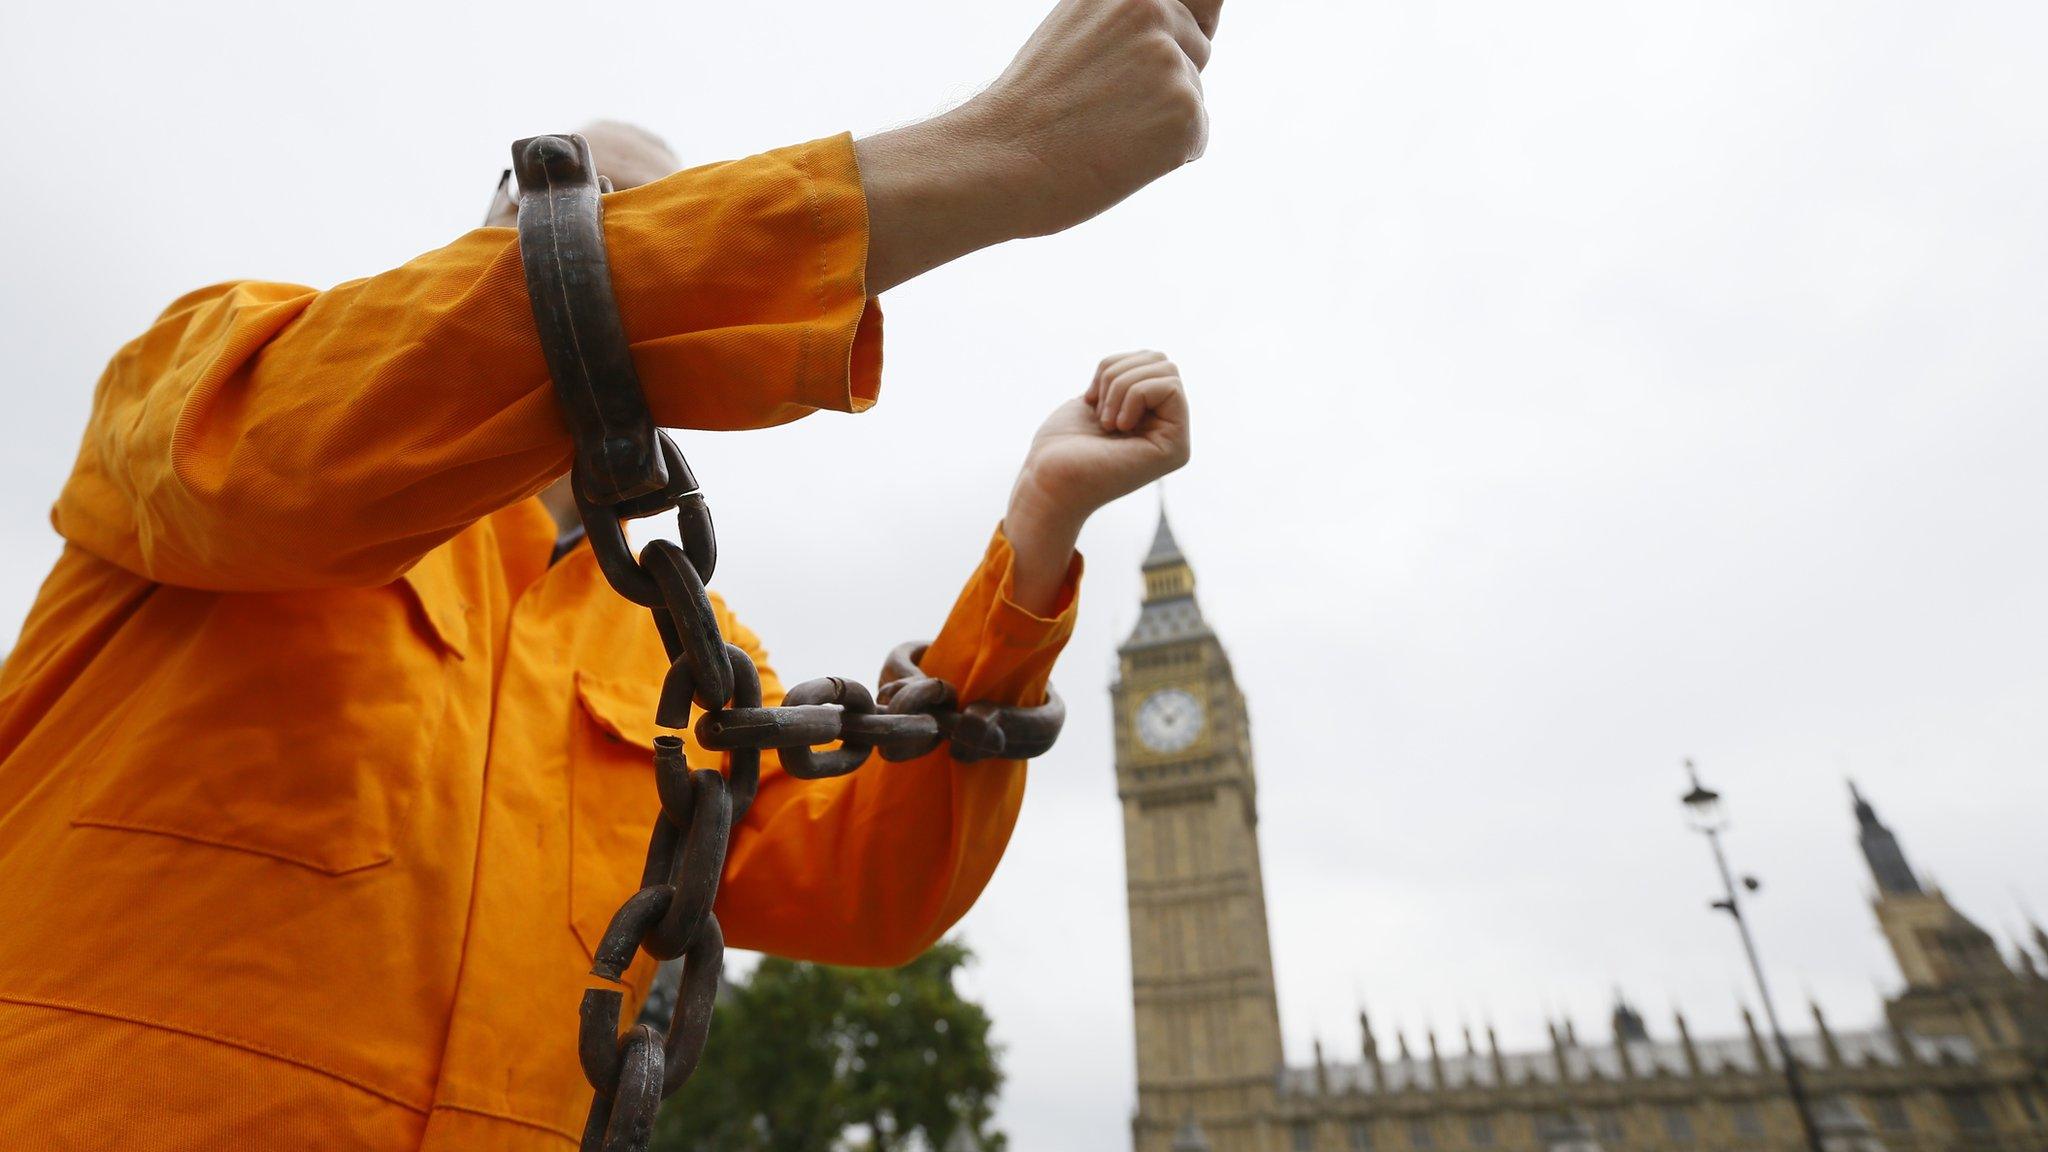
x=1208 y=1026
x=1169 y=612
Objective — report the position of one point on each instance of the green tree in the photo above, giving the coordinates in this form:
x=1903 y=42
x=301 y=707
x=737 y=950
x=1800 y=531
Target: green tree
x=812 y=1058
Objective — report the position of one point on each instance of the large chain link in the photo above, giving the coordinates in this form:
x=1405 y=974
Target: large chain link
x=625 y=469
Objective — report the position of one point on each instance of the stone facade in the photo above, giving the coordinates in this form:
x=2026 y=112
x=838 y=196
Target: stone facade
x=1961 y=1064
x=1208 y=1025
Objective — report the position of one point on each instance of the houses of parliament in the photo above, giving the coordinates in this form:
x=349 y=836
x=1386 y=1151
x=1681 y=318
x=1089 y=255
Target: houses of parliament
x=1960 y=1063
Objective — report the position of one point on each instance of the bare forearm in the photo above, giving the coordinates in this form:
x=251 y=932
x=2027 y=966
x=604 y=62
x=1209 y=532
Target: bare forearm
x=1042 y=538
x=1102 y=100
x=1129 y=429
x=936 y=190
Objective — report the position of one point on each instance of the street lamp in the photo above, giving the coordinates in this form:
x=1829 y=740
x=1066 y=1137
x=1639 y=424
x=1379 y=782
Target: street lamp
x=1703 y=809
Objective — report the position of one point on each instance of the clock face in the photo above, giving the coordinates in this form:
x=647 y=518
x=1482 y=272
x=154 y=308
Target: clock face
x=1169 y=720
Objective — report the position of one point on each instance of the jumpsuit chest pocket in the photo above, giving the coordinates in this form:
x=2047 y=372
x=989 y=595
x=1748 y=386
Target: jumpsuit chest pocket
x=612 y=802
x=296 y=726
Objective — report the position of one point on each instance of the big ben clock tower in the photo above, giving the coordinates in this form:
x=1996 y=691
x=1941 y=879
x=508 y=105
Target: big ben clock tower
x=1208 y=1027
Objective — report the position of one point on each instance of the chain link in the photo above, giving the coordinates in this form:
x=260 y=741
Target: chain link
x=626 y=468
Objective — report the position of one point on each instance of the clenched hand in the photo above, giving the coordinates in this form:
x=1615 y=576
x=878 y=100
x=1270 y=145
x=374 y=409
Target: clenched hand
x=1128 y=429
x=1104 y=98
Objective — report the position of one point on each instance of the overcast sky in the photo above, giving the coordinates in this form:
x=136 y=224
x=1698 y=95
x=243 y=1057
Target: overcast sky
x=1577 y=387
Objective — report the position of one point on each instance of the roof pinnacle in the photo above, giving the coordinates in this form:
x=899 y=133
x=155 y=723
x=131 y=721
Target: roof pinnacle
x=1169 y=613
x=1165 y=549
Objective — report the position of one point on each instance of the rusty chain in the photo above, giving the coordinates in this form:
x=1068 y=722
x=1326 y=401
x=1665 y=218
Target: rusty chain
x=625 y=469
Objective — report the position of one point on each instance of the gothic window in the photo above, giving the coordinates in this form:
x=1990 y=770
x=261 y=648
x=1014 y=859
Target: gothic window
x=1304 y=1137
x=1748 y=1121
x=1479 y=1131
x=1361 y=1136
x=1420 y=1137
x=1837 y=1112
x=1607 y=1125
x=1554 y=1126
x=1218 y=1020
x=1678 y=1124
x=1966 y=1108
x=1891 y=1114
x=1168 y=843
x=1951 y=949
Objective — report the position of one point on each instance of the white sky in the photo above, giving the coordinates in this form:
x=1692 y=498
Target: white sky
x=1578 y=386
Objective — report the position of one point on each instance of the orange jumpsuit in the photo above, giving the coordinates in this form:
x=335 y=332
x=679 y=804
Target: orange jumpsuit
x=318 y=783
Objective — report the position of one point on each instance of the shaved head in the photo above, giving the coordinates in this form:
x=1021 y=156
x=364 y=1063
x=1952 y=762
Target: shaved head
x=627 y=153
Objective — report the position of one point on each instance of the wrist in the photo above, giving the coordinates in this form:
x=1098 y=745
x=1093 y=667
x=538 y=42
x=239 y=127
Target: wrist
x=1042 y=535
x=1045 y=543
x=1014 y=183
x=938 y=190
x=1040 y=515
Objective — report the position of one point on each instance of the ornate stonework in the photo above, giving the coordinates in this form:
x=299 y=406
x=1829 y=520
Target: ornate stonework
x=1961 y=1064
x=1208 y=1028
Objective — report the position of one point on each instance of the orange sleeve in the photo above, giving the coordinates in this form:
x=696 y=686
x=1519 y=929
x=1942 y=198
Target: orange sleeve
x=268 y=436
x=873 y=867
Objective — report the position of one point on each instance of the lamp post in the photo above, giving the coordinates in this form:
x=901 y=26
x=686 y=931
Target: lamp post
x=1703 y=808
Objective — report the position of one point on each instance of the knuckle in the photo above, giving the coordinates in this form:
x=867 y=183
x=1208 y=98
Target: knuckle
x=1144 y=11
x=1164 y=54
x=1193 y=137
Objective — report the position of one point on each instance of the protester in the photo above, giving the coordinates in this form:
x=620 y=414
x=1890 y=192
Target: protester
x=323 y=753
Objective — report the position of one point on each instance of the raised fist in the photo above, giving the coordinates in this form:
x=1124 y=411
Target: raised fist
x=1129 y=429
x=1105 y=98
